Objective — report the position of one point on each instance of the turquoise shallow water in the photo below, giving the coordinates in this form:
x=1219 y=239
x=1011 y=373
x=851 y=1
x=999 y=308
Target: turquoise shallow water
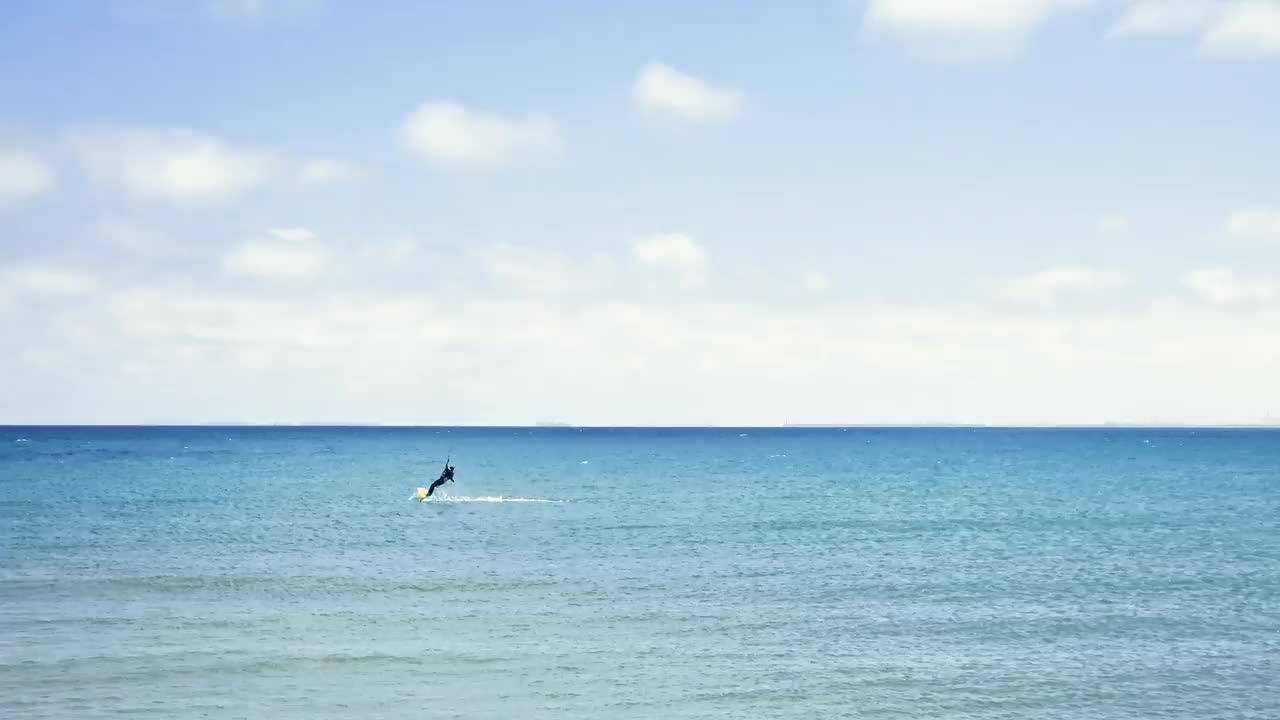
x=286 y=573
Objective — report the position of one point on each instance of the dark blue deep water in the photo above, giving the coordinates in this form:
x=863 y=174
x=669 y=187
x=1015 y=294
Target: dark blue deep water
x=285 y=573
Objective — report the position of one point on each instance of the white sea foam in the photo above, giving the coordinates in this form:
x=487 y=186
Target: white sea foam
x=493 y=499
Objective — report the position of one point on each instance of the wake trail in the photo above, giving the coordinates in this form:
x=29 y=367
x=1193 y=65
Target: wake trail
x=492 y=499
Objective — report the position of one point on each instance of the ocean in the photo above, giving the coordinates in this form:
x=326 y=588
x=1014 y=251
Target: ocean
x=286 y=572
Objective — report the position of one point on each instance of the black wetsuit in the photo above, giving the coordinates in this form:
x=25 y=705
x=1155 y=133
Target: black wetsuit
x=446 y=476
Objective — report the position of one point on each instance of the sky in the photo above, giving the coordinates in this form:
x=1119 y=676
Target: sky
x=1013 y=212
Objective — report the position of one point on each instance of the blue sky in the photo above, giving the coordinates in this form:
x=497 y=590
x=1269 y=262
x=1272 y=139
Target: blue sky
x=1004 y=211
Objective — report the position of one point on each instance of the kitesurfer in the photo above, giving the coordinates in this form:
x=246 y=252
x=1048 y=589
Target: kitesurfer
x=445 y=476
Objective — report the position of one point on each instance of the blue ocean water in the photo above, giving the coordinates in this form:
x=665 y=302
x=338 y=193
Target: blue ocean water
x=228 y=572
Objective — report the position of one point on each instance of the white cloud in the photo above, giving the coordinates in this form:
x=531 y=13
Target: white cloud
x=23 y=175
x=1045 y=286
x=972 y=29
x=292 y=255
x=1222 y=286
x=1259 y=222
x=1228 y=29
x=448 y=132
x=1165 y=17
x=1245 y=30
x=322 y=171
x=359 y=351
x=48 y=281
x=815 y=282
x=661 y=88
x=1113 y=224
x=179 y=164
x=273 y=356
x=673 y=252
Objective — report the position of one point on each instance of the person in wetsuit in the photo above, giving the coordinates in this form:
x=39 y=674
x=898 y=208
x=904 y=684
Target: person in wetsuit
x=446 y=476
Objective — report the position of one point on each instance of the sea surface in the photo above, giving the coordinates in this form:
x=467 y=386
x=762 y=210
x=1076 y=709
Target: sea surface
x=280 y=573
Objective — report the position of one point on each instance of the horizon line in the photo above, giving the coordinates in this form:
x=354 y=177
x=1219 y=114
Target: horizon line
x=666 y=426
